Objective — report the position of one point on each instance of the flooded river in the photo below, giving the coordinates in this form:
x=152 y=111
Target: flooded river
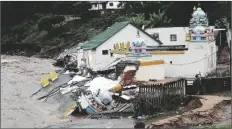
x=20 y=77
x=93 y=123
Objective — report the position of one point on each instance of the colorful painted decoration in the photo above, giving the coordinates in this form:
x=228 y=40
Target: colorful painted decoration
x=117 y=46
x=133 y=44
x=143 y=44
x=187 y=36
x=128 y=46
x=122 y=46
x=138 y=50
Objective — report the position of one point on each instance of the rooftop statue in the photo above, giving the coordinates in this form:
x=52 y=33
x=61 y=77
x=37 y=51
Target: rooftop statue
x=199 y=17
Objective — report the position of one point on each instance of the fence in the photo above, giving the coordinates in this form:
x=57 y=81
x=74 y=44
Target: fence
x=153 y=98
x=209 y=86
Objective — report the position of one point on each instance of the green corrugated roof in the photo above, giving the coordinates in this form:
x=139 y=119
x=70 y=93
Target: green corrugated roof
x=101 y=38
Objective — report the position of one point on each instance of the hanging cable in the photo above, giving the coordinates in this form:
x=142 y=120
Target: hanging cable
x=202 y=58
x=197 y=60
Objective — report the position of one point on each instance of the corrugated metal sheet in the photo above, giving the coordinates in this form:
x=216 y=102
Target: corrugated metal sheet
x=101 y=38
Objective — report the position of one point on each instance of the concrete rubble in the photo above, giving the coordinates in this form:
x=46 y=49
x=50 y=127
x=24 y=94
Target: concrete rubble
x=106 y=93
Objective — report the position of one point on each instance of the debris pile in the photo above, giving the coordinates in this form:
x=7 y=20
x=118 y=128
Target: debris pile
x=98 y=94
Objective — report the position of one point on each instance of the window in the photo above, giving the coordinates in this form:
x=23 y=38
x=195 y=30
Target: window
x=105 y=52
x=156 y=36
x=111 y=4
x=173 y=37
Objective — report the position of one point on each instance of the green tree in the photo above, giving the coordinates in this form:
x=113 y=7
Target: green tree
x=57 y=19
x=45 y=24
x=139 y=20
x=145 y=7
x=221 y=22
x=159 y=19
x=77 y=8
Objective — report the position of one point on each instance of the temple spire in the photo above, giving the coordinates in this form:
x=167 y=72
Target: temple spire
x=199 y=4
x=194 y=8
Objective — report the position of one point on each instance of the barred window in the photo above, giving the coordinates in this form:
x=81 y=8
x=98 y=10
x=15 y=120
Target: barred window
x=173 y=37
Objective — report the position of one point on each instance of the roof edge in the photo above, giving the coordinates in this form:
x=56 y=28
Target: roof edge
x=147 y=34
x=127 y=23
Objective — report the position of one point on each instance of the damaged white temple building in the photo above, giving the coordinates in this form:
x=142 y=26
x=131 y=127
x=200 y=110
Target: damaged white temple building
x=156 y=54
x=186 y=51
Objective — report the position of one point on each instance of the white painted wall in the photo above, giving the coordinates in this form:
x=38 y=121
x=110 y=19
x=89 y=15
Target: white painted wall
x=115 y=5
x=164 y=34
x=228 y=34
x=96 y=6
x=80 y=56
x=129 y=33
x=99 y=6
x=145 y=73
x=196 y=52
x=88 y=55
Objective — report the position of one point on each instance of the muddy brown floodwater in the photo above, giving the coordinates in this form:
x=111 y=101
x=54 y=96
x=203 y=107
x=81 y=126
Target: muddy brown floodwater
x=20 y=77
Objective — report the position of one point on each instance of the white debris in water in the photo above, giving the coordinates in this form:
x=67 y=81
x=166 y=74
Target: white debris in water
x=101 y=83
x=68 y=89
x=67 y=72
x=76 y=78
x=105 y=96
x=125 y=97
x=130 y=86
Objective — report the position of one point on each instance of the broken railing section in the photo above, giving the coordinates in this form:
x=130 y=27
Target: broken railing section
x=154 y=98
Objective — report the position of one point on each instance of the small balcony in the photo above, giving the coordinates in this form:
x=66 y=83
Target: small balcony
x=199 y=38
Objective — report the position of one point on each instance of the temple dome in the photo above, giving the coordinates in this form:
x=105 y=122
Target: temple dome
x=199 y=12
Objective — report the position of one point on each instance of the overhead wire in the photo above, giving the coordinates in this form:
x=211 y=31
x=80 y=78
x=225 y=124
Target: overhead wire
x=202 y=58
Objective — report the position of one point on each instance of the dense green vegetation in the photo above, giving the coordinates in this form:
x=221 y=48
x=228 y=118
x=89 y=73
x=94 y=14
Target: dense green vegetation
x=57 y=23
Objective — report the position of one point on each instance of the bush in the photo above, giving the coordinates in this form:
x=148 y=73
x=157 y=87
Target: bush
x=46 y=22
x=57 y=19
x=55 y=32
